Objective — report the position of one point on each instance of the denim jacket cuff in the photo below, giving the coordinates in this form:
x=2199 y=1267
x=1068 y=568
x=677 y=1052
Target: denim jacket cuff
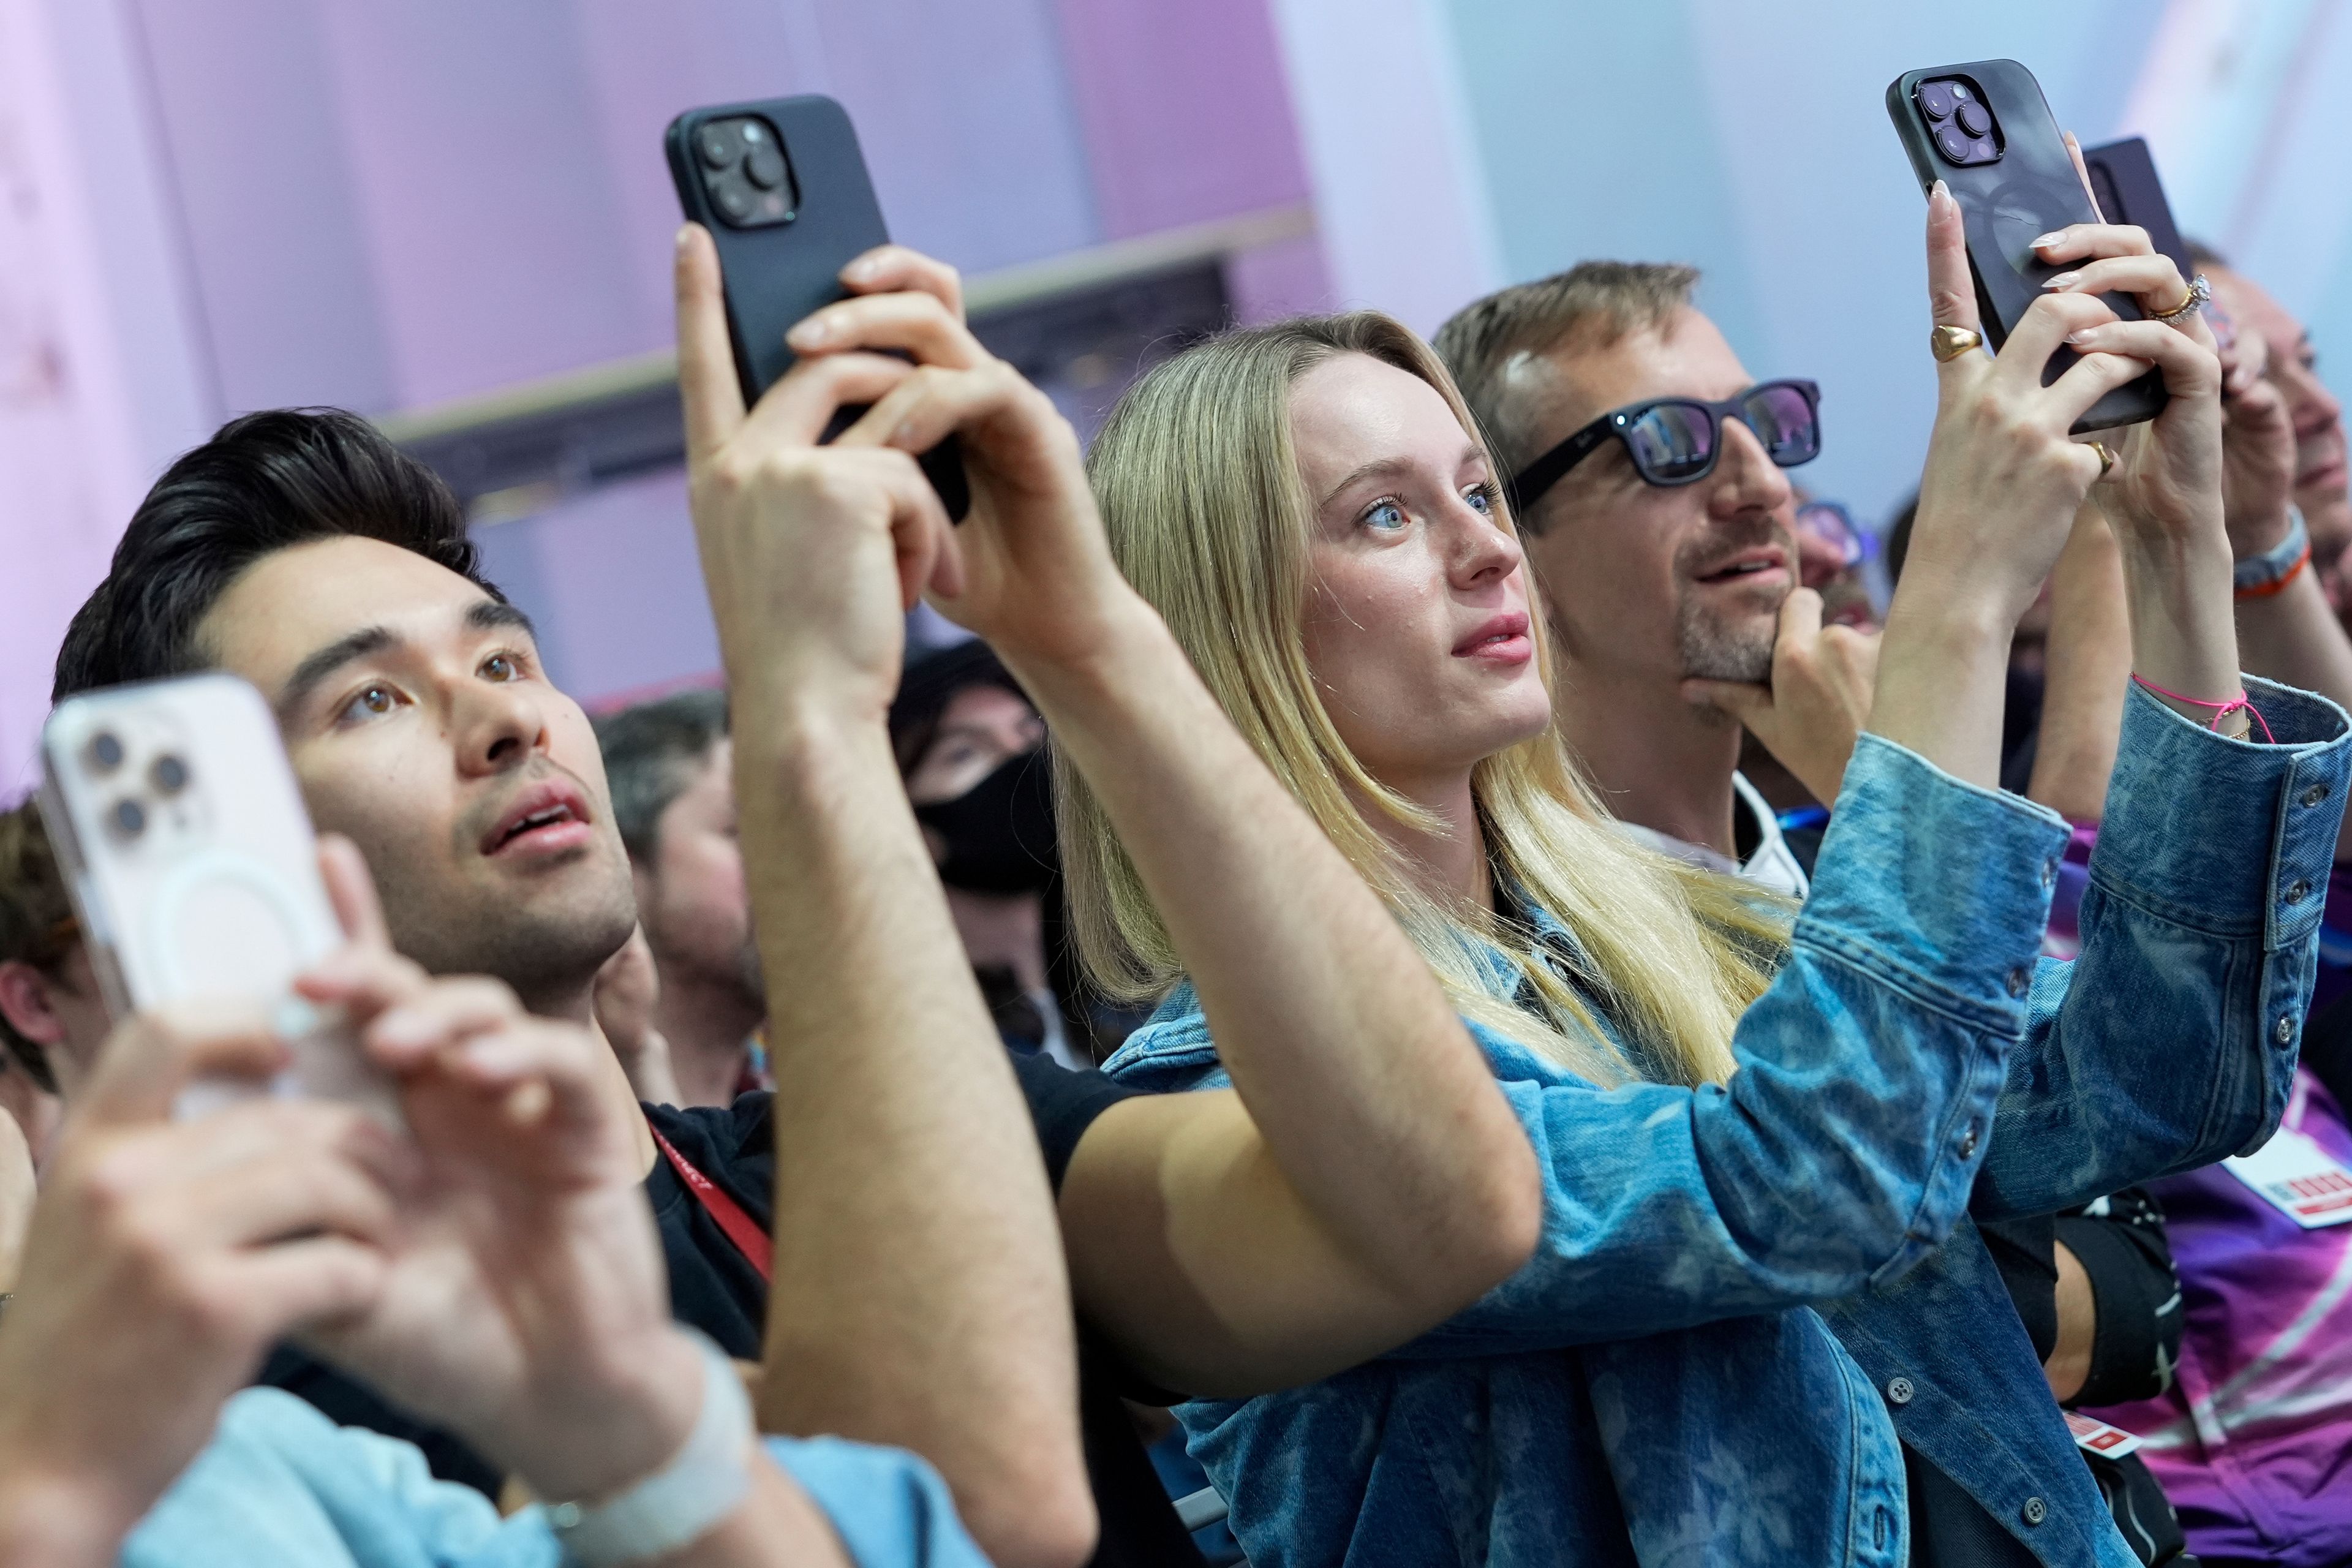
x=2230 y=837
x=1928 y=881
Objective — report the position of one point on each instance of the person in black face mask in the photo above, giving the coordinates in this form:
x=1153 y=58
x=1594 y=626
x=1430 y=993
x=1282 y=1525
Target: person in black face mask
x=973 y=753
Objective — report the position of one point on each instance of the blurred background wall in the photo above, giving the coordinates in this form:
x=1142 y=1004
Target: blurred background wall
x=454 y=217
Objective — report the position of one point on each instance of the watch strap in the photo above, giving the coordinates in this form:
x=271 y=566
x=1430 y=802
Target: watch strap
x=701 y=1484
x=2280 y=561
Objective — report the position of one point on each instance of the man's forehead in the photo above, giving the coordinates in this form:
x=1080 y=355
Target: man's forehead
x=1580 y=378
x=290 y=603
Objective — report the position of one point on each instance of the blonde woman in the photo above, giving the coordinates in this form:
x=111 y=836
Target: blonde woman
x=1756 y=1298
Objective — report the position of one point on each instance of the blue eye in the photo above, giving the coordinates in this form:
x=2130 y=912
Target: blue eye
x=1384 y=515
x=1482 y=497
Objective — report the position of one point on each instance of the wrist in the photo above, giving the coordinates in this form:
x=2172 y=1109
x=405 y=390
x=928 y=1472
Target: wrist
x=2253 y=535
x=612 y=1426
x=54 y=1519
x=1127 y=657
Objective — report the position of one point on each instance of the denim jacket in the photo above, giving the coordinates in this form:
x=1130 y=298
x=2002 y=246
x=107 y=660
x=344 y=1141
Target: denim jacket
x=1746 y=1297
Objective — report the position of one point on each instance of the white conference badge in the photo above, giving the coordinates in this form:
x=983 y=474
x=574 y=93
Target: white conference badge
x=2298 y=1178
x=2095 y=1437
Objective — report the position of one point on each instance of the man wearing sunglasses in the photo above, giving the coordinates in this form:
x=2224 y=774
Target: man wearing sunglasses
x=1648 y=477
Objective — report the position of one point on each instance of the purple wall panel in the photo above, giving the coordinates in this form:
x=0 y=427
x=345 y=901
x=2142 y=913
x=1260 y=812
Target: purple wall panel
x=489 y=204
x=966 y=117
x=1186 y=111
x=245 y=110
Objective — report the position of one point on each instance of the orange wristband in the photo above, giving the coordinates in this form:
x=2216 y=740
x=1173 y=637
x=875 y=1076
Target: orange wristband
x=2264 y=590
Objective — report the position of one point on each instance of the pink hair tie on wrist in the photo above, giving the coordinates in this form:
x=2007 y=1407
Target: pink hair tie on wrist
x=2220 y=710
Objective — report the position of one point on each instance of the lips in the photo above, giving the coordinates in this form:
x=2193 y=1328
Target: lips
x=547 y=816
x=1754 y=561
x=1502 y=638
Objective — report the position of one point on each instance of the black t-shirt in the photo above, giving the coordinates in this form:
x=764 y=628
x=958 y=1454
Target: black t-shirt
x=714 y=1288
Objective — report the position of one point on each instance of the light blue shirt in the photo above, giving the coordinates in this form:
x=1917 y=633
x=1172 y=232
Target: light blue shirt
x=280 y=1486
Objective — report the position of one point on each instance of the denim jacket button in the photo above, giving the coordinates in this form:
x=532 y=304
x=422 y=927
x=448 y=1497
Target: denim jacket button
x=2020 y=979
x=1899 y=1391
x=2315 y=794
x=2049 y=872
x=1968 y=1142
x=2285 y=1030
x=2035 y=1511
x=2297 y=890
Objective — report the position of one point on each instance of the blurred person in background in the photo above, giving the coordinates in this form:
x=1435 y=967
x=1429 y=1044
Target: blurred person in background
x=2252 y=1432
x=971 y=750
x=670 y=766
x=1539 y=363
x=46 y=983
x=2278 y=348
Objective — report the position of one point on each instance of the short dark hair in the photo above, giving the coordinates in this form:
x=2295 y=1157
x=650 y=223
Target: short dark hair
x=650 y=752
x=264 y=483
x=36 y=921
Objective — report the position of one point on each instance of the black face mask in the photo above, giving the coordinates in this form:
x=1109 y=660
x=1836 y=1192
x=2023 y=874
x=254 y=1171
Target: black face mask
x=999 y=832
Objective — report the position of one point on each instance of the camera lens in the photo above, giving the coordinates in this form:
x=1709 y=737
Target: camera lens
x=717 y=145
x=1936 y=99
x=170 y=774
x=105 y=752
x=130 y=818
x=765 y=167
x=1982 y=151
x=1973 y=118
x=731 y=199
x=1953 y=143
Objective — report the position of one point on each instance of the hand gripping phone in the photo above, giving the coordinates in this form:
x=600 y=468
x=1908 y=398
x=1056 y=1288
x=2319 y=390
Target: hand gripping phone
x=1985 y=129
x=782 y=187
x=189 y=857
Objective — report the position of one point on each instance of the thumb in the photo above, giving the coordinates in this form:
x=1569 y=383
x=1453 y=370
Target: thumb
x=351 y=890
x=1737 y=697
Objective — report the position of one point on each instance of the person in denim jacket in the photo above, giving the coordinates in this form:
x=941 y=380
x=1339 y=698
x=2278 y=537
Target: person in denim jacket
x=1757 y=1284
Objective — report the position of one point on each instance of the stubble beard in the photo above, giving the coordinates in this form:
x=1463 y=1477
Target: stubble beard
x=1714 y=649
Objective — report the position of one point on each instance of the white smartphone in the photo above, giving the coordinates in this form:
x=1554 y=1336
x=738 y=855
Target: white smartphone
x=192 y=868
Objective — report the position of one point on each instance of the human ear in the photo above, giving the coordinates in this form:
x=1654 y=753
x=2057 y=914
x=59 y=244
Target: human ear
x=25 y=1004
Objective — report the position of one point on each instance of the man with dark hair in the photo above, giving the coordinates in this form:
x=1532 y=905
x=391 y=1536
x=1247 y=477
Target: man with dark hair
x=307 y=555
x=672 y=772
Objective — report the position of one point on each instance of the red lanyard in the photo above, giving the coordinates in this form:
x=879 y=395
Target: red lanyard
x=741 y=1228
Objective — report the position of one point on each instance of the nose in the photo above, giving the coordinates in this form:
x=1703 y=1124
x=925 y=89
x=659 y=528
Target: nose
x=1485 y=550
x=1745 y=478
x=498 y=727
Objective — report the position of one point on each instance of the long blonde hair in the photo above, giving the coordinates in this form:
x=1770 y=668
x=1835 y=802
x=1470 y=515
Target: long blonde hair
x=1209 y=518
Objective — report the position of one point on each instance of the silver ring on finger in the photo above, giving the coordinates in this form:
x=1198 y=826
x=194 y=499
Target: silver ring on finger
x=2201 y=292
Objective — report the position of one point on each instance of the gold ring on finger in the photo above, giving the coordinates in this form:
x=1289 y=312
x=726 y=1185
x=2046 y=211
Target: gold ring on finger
x=2200 y=291
x=2106 y=459
x=1948 y=343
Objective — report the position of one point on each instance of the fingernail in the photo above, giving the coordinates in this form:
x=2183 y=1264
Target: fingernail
x=809 y=334
x=1939 y=192
x=2063 y=279
x=685 y=233
x=859 y=271
x=2048 y=239
x=2085 y=336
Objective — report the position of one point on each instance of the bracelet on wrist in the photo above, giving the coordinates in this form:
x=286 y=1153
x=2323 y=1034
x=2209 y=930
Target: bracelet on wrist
x=700 y=1486
x=2259 y=576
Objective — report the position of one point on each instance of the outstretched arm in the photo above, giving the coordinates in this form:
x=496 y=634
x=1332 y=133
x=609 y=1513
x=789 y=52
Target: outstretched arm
x=919 y=1296
x=1370 y=1178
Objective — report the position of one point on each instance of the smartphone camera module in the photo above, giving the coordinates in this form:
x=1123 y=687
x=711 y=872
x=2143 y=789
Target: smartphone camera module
x=745 y=173
x=105 y=752
x=1959 y=121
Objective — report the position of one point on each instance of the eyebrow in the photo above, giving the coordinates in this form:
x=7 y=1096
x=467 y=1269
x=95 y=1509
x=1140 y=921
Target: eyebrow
x=1386 y=466
x=481 y=616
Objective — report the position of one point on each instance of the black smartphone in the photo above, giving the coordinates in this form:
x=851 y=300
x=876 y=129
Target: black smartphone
x=2122 y=177
x=782 y=187
x=1985 y=129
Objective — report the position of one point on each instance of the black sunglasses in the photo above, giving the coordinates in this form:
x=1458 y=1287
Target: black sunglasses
x=1676 y=440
